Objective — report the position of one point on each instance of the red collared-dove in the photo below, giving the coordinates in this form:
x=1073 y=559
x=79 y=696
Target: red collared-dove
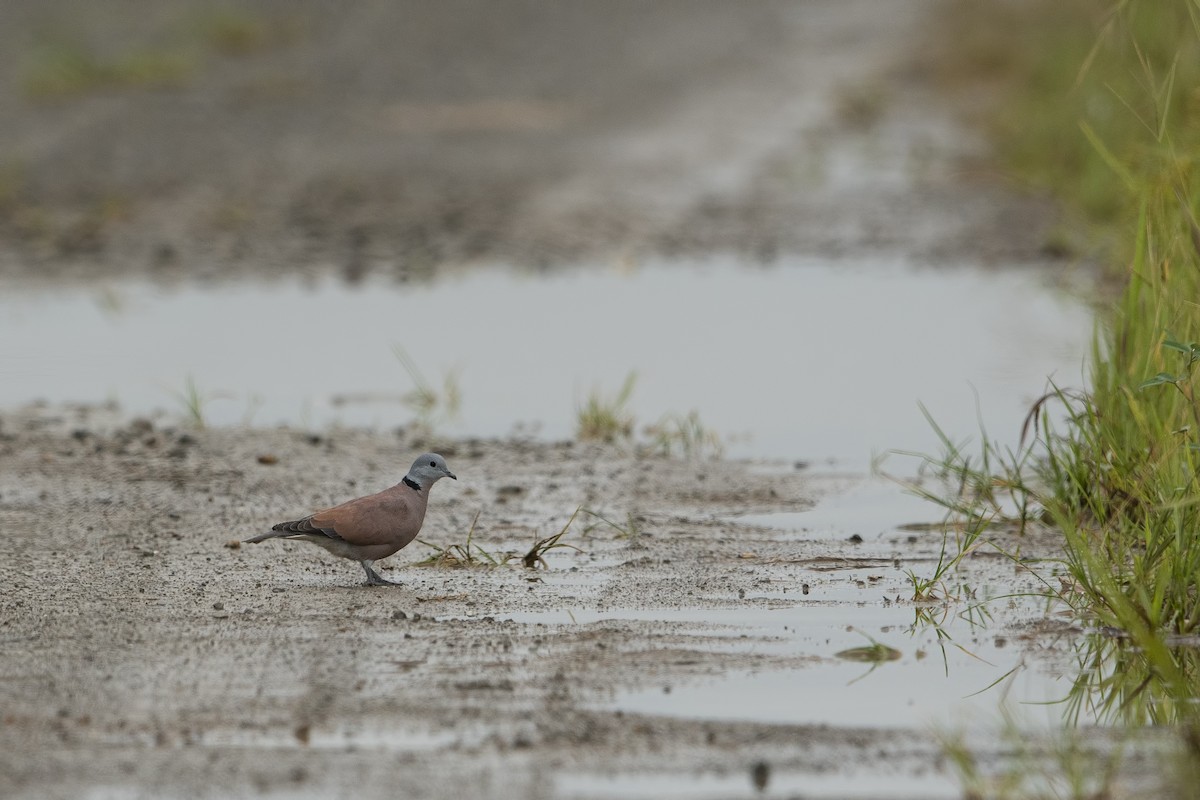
x=372 y=527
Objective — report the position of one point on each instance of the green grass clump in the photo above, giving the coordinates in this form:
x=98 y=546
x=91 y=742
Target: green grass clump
x=60 y=65
x=1121 y=479
x=1098 y=103
x=64 y=69
x=1051 y=81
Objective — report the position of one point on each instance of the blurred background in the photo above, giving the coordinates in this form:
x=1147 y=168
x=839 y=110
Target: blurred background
x=763 y=214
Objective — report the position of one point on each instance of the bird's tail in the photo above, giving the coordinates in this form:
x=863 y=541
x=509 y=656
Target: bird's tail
x=262 y=537
x=295 y=528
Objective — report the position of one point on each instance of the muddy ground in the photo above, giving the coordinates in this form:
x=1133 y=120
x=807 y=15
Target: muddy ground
x=145 y=657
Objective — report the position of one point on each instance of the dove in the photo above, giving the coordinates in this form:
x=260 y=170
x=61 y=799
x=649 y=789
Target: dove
x=373 y=527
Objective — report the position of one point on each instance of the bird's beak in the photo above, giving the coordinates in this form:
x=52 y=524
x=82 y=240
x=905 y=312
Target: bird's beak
x=450 y=474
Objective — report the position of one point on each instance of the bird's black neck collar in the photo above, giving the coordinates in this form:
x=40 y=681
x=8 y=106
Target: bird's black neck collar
x=410 y=483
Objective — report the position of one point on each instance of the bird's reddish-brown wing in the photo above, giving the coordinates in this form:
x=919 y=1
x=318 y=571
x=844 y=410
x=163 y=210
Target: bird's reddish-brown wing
x=389 y=517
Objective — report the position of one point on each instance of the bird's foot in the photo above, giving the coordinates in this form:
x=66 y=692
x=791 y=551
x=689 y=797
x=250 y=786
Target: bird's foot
x=374 y=578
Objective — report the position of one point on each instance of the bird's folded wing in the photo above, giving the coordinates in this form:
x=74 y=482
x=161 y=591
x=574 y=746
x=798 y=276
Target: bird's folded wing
x=301 y=527
x=383 y=518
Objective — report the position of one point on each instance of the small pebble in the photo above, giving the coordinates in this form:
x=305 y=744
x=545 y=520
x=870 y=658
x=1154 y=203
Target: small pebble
x=233 y=544
x=268 y=458
x=218 y=606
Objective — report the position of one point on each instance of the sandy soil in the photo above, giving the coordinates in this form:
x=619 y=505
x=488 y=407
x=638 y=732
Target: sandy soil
x=143 y=657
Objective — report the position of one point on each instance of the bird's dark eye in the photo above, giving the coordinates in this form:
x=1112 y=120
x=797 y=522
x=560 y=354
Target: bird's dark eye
x=433 y=463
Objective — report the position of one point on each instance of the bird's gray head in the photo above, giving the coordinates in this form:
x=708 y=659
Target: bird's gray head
x=427 y=469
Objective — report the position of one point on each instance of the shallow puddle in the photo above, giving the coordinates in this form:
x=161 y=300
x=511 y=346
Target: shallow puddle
x=912 y=693
x=803 y=359
x=870 y=507
x=821 y=362
x=949 y=669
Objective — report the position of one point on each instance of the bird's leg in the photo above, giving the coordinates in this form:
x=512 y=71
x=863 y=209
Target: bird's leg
x=373 y=577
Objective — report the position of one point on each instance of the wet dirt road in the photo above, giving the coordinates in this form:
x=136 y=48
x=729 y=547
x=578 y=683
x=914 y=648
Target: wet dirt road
x=142 y=657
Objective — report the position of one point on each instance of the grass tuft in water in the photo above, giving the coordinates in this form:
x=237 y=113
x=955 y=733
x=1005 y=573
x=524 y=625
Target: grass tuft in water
x=468 y=554
x=536 y=557
x=606 y=419
x=684 y=435
x=629 y=530
x=980 y=493
x=430 y=405
x=193 y=401
x=463 y=556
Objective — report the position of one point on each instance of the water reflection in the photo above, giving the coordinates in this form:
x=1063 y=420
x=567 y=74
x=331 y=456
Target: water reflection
x=950 y=665
x=1119 y=682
